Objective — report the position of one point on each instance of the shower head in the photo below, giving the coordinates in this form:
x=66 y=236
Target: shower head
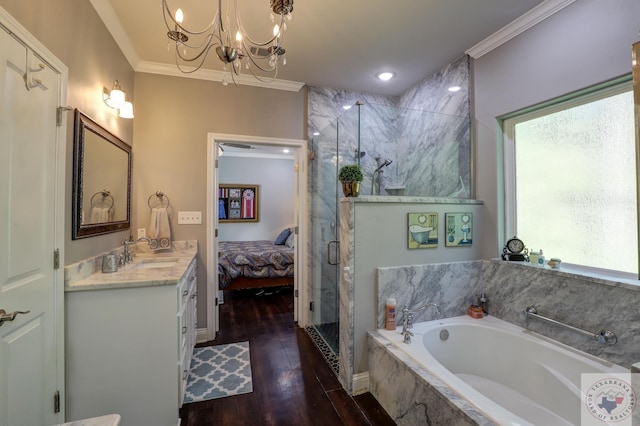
x=382 y=164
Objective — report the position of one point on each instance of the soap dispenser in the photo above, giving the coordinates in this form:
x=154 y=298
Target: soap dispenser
x=541 y=259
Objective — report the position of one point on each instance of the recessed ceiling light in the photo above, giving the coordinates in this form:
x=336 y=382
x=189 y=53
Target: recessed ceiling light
x=316 y=133
x=286 y=151
x=346 y=107
x=454 y=88
x=385 y=76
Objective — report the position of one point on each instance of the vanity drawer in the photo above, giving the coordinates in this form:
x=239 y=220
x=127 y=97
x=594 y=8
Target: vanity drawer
x=183 y=330
x=185 y=286
x=183 y=373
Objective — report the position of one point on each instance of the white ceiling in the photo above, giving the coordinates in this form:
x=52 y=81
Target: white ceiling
x=339 y=44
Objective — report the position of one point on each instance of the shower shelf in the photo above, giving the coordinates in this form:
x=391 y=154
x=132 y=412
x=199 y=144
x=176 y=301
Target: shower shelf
x=395 y=187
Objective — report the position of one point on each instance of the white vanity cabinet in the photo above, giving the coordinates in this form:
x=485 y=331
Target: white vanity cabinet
x=128 y=348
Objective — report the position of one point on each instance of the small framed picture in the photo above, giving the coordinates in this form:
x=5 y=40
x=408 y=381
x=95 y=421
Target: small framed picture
x=422 y=230
x=238 y=203
x=234 y=192
x=458 y=228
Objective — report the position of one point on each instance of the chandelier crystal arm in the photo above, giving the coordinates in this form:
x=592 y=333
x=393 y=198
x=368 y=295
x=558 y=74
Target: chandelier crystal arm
x=176 y=25
x=202 y=55
x=246 y=36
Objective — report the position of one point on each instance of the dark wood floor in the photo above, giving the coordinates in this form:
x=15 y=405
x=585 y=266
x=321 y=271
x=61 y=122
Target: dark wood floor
x=292 y=383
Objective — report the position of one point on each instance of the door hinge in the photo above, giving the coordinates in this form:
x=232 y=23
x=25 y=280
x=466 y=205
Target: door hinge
x=216 y=301
x=295 y=293
x=311 y=306
x=295 y=230
x=216 y=232
x=56 y=402
x=216 y=166
x=59 y=112
x=56 y=259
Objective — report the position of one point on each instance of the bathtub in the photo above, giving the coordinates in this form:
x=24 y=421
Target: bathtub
x=510 y=375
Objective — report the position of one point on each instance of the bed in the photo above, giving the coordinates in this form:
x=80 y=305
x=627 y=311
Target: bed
x=254 y=264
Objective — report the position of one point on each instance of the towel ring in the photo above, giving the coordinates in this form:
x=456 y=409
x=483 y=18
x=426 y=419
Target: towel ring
x=161 y=196
x=106 y=195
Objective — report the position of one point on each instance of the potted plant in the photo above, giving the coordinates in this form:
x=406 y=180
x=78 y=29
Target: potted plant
x=350 y=175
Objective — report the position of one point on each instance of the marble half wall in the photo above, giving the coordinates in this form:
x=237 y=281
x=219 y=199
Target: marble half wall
x=589 y=303
x=451 y=286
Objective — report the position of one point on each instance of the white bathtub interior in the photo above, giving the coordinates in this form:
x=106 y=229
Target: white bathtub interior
x=512 y=375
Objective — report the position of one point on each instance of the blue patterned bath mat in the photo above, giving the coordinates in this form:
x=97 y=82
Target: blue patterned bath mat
x=218 y=371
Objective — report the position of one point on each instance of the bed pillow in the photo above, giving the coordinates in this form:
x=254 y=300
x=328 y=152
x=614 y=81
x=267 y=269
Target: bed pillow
x=282 y=237
x=289 y=242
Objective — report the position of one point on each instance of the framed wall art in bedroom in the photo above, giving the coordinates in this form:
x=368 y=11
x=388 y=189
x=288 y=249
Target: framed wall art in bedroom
x=238 y=203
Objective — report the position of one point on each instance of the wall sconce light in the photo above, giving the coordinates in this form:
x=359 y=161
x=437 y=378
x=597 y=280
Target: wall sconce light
x=116 y=98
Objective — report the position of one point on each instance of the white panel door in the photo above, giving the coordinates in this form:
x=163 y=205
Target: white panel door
x=28 y=351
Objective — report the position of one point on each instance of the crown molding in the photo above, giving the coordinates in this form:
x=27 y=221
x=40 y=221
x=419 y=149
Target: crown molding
x=534 y=16
x=212 y=75
x=114 y=26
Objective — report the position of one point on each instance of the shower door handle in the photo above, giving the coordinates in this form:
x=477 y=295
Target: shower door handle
x=337 y=244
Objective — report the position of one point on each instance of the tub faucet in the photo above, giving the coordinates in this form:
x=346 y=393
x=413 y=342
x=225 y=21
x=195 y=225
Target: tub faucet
x=407 y=324
x=407 y=319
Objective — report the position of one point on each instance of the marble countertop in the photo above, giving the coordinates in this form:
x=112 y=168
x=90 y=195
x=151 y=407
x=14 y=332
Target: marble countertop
x=139 y=273
x=408 y=200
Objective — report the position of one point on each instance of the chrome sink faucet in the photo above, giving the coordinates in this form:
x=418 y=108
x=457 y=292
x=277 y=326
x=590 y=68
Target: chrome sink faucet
x=127 y=256
x=407 y=319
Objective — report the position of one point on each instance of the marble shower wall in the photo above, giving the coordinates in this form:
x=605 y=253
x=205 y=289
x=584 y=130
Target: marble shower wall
x=425 y=132
x=434 y=139
x=391 y=128
x=589 y=303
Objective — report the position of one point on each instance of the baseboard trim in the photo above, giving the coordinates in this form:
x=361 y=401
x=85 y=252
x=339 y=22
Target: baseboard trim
x=360 y=383
x=201 y=335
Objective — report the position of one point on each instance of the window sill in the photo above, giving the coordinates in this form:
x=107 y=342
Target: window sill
x=599 y=276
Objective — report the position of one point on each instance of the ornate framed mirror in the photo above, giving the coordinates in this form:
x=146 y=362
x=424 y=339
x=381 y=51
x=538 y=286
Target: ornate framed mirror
x=101 y=180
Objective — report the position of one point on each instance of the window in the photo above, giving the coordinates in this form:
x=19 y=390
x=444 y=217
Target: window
x=570 y=179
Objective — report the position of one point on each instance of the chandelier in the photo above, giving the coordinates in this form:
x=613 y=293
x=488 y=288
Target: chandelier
x=236 y=52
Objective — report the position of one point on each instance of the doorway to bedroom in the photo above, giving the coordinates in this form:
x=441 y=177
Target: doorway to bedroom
x=256 y=220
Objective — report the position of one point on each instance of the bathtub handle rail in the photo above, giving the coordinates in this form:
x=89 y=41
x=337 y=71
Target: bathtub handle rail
x=604 y=336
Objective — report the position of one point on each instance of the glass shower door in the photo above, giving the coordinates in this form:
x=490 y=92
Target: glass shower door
x=325 y=236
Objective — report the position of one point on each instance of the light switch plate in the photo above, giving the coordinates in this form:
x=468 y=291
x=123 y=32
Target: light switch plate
x=142 y=232
x=189 y=218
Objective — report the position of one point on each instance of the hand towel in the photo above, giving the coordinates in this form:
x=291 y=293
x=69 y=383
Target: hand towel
x=99 y=215
x=159 y=229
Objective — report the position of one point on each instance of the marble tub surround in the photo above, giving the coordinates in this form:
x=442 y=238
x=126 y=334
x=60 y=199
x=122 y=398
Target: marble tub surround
x=444 y=284
x=412 y=395
x=88 y=275
x=590 y=303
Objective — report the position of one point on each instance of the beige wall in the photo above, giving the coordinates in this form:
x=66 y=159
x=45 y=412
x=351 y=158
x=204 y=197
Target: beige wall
x=173 y=117
x=73 y=32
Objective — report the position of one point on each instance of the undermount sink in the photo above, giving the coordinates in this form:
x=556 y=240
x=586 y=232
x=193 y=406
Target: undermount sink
x=162 y=262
